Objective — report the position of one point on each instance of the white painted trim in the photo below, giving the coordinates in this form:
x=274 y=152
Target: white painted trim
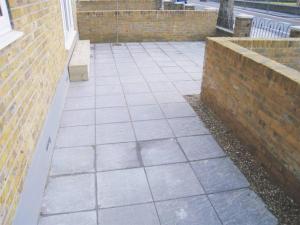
x=4 y=19
x=68 y=22
x=9 y=37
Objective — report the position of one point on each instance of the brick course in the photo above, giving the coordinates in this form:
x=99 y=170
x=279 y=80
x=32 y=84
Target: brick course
x=29 y=71
x=146 y=25
x=259 y=99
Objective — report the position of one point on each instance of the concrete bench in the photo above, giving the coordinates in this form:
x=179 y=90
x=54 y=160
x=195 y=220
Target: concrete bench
x=79 y=65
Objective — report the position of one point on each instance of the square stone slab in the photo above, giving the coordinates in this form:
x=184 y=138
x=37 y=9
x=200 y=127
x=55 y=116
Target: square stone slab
x=187 y=126
x=69 y=194
x=145 y=112
x=117 y=100
x=219 y=174
x=241 y=207
x=122 y=187
x=200 y=147
x=144 y=214
x=173 y=181
x=80 y=103
x=136 y=88
x=72 y=160
x=114 y=133
x=77 y=118
x=172 y=110
x=117 y=156
x=168 y=97
x=107 y=80
x=161 y=152
x=79 y=218
x=132 y=79
x=187 y=211
x=152 y=129
x=140 y=99
x=162 y=87
x=81 y=91
x=109 y=89
x=75 y=136
x=112 y=115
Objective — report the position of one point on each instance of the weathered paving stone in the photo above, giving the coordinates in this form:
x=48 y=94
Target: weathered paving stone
x=200 y=147
x=122 y=187
x=72 y=160
x=152 y=129
x=140 y=99
x=117 y=100
x=241 y=207
x=145 y=112
x=112 y=115
x=79 y=218
x=168 y=97
x=173 y=181
x=69 y=194
x=161 y=152
x=219 y=174
x=172 y=110
x=117 y=156
x=187 y=211
x=77 y=118
x=109 y=89
x=143 y=214
x=114 y=133
x=80 y=103
x=187 y=126
x=75 y=136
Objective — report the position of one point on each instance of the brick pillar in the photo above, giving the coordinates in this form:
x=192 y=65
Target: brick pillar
x=242 y=26
x=189 y=7
x=167 y=4
x=295 y=32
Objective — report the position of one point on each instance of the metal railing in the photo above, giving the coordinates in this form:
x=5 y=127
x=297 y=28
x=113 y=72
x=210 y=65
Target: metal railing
x=267 y=28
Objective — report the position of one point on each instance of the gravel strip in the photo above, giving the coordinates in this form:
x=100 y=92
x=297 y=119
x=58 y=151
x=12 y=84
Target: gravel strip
x=282 y=206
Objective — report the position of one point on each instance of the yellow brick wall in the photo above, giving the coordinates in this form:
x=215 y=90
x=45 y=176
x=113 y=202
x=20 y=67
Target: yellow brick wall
x=259 y=99
x=146 y=25
x=95 y=5
x=30 y=69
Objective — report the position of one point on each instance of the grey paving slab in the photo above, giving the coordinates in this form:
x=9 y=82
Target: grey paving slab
x=132 y=79
x=109 y=89
x=162 y=87
x=161 y=152
x=69 y=194
x=172 y=110
x=152 y=129
x=84 y=91
x=72 y=160
x=75 y=136
x=78 y=117
x=107 y=80
x=114 y=133
x=200 y=147
x=123 y=187
x=156 y=78
x=172 y=70
x=117 y=156
x=89 y=82
x=140 y=99
x=173 y=181
x=80 y=103
x=79 y=218
x=168 y=97
x=116 y=100
x=241 y=207
x=179 y=77
x=143 y=214
x=112 y=115
x=187 y=126
x=187 y=87
x=133 y=88
x=219 y=174
x=145 y=112
x=187 y=211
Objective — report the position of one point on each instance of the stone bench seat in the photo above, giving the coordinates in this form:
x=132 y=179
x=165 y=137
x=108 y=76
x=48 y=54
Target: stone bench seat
x=80 y=61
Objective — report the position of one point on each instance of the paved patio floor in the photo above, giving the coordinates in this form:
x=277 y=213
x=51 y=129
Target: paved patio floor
x=131 y=151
